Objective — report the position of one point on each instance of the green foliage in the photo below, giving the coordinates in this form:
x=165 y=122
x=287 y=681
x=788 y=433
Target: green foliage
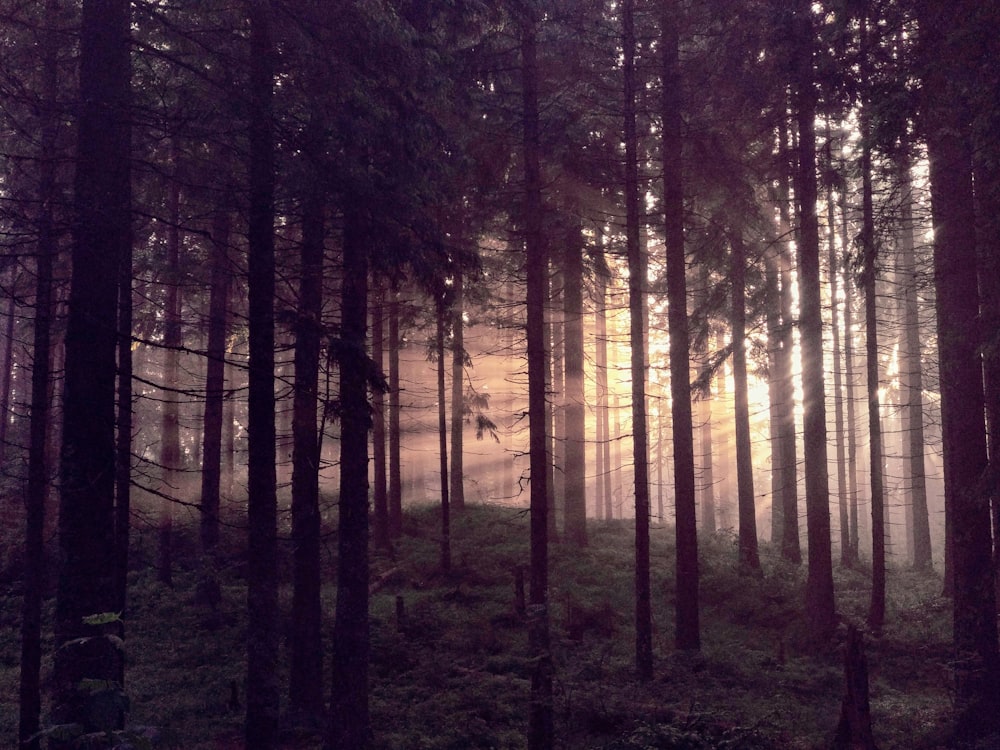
x=453 y=671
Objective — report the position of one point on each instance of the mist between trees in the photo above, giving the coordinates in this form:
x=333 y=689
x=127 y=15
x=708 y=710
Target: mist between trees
x=292 y=269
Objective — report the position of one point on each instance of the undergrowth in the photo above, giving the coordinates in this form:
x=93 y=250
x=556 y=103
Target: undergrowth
x=450 y=667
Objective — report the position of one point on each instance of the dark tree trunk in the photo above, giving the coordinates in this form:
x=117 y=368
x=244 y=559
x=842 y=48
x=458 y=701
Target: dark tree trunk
x=749 y=558
x=575 y=468
x=787 y=457
x=305 y=686
x=637 y=331
x=911 y=377
x=962 y=398
x=833 y=266
x=876 y=612
x=852 y=433
x=173 y=340
x=87 y=564
x=540 y=713
x=773 y=319
x=820 y=603
x=262 y=583
x=854 y=730
x=457 y=477
x=349 y=715
x=439 y=347
x=395 y=476
x=709 y=509
x=215 y=382
x=380 y=489
x=123 y=438
x=603 y=413
x=38 y=465
x=688 y=636
x=8 y=368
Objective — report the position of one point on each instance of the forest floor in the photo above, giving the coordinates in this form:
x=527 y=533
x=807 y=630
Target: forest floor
x=454 y=672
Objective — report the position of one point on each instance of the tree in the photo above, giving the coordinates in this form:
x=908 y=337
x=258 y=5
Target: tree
x=349 y=718
x=101 y=235
x=458 y=355
x=637 y=332
x=440 y=328
x=575 y=470
x=305 y=693
x=819 y=586
x=946 y=129
x=215 y=380
x=688 y=636
x=38 y=464
x=540 y=715
x=749 y=558
x=262 y=694
x=911 y=376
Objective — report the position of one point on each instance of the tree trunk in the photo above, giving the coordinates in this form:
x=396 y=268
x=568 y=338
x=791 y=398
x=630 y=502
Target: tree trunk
x=846 y=558
x=854 y=730
x=876 y=612
x=688 y=636
x=852 y=433
x=540 y=714
x=305 y=684
x=773 y=314
x=603 y=411
x=380 y=488
x=173 y=340
x=8 y=368
x=709 y=509
x=215 y=382
x=395 y=475
x=575 y=467
x=262 y=693
x=820 y=603
x=637 y=330
x=457 y=495
x=962 y=398
x=441 y=324
x=911 y=377
x=38 y=465
x=749 y=558
x=349 y=714
x=101 y=224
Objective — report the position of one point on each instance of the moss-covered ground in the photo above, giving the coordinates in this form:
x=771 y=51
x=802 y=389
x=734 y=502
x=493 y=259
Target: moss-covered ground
x=450 y=671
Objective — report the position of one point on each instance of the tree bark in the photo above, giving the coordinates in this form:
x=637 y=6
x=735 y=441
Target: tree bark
x=101 y=235
x=380 y=487
x=349 y=713
x=876 y=612
x=457 y=477
x=575 y=468
x=305 y=686
x=911 y=377
x=262 y=694
x=38 y=465
x=688 y=636
x=637 y=341
x=749 y=558
x=215 y=382
x=540 y=713
x=439 y=346
x=395 y=475
x=962 y=398
x=820 y=603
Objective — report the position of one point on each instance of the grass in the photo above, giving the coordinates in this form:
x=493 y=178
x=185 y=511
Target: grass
x=454 y=673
